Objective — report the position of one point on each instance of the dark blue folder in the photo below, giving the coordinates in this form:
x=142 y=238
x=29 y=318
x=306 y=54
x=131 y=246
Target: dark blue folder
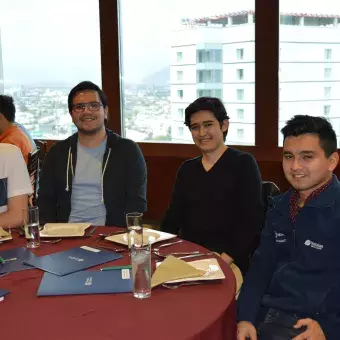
x=73 y=260
x=87 y=282
x=14 y=260
x=3 y=292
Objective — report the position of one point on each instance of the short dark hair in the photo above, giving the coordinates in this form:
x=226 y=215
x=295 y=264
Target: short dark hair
x=212 y=104
x=7 y=107
x=86 y=86
x=319 y=126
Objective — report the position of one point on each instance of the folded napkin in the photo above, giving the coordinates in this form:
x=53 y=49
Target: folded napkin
x=173 y=268
x=64 y=229
x=4 y=235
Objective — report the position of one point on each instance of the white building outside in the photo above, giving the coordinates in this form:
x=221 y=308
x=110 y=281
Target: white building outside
x=216 y=57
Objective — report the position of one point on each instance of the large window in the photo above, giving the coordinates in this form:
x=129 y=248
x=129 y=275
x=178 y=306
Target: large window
x=181 y=50
x=47 y=47
x=310 y=60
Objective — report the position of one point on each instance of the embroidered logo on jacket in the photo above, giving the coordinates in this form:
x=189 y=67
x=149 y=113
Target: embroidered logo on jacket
x=314 y=245
x=280 y=238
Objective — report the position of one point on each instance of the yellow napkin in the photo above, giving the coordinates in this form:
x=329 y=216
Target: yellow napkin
x=4 y=235
x=173 y=268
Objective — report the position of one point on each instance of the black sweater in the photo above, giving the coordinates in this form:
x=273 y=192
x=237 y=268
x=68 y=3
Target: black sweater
x=220 y=209
x=124 y=184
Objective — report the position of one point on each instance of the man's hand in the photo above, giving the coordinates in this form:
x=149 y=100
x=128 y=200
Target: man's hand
x=225 y=257
x=246 y=330
x=313 y=332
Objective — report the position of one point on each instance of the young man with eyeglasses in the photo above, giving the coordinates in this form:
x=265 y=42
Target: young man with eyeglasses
x=95 y=175
x=217 y=197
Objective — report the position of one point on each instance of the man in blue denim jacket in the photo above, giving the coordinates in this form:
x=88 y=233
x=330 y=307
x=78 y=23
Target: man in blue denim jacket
x=292 y=290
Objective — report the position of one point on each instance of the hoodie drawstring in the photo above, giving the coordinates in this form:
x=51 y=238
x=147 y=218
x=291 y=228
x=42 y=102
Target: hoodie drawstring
x=102 y=179
x=68 y=165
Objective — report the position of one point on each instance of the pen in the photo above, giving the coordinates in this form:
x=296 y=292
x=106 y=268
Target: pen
x=116 y=267
x=2 y=261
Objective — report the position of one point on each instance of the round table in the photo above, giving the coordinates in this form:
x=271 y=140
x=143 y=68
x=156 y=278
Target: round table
x=202 y=312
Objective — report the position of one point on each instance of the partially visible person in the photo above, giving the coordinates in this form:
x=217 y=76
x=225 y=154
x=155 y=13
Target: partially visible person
x=15 y=186
x=27 y=133
x=217 y=197
x=292 y=290
x=9 y=132
x=95 y=175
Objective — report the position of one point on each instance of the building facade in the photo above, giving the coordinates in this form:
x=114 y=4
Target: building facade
x=216 y=57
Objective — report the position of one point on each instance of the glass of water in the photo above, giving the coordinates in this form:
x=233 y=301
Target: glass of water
x=135 y=228
x=141 y=270
x=31 y=224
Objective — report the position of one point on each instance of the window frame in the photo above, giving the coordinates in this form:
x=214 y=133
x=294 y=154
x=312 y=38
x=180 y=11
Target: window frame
x=328 y=54
x=240 y=74
x=240 y=114
x=240 y=54
x=327 y=73
x=266 y=77
x=240 y=94
x=179 y=75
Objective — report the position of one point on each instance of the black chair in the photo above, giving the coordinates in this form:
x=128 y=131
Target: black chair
x=269 y=189
x=42 y=147
x=33 y=171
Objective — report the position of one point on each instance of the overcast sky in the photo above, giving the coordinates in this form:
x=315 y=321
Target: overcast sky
x=58 y=41
x=44 y=40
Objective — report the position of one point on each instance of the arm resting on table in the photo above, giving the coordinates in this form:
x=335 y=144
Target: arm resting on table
x=14 y=216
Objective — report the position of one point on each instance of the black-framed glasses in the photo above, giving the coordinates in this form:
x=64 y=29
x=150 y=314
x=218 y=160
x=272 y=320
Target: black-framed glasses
x=80 y=107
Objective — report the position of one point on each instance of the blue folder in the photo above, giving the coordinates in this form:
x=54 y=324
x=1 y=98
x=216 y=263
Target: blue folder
x=73 y=260
x=87 y=282
x=3 y=292
x=14 y=259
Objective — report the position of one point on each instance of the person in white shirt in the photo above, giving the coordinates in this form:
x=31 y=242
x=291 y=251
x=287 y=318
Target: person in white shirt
x=15 y=186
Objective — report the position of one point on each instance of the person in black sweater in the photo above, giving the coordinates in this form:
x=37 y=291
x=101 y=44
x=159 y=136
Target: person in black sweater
x=217 y=197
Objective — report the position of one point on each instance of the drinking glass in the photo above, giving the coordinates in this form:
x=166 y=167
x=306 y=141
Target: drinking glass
x=31 y=223
x=141 y=270
x=135 y=229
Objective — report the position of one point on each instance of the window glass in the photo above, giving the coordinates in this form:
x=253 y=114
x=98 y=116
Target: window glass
x=309 y=76
x=182 y=50
x=43 y=54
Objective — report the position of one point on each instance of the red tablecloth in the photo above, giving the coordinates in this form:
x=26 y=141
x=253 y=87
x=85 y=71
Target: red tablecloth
x=203 y=312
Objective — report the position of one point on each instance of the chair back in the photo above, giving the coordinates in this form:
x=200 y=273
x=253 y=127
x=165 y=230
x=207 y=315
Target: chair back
x=269 y=189
x=33 y=171
x=238 y=277
x=42 y=146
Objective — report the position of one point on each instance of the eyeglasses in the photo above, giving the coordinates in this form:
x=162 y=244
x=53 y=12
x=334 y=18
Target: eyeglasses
x=93 y=106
